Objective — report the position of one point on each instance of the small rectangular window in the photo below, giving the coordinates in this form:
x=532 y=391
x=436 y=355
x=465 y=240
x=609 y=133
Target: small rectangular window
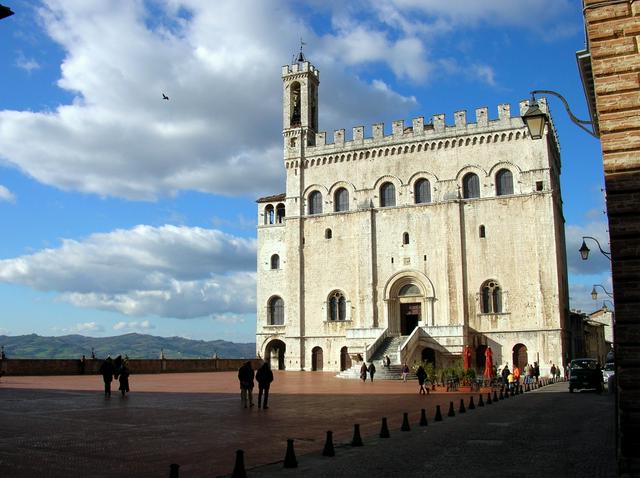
x=539 y=185
x=392 y=260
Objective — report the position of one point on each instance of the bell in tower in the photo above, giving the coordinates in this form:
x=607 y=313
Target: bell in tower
x=300 y=95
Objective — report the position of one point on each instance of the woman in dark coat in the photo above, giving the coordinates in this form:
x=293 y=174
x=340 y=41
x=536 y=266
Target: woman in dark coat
x=422 y=378
x=264 y=377
x=363 y=371
x=372 y=370
x=124 y=378
x=106 y=370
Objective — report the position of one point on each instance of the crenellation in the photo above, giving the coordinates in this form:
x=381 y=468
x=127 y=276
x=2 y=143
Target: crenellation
x=378 y=131
x=504 y=111
x=397 y=128
x=460 y=118
x=302 y=67
x=338 y=137
x=524 y=106
x=438 y=122
x=358 y=134
x=321 y=139
x=418 y=126
x=482 y=117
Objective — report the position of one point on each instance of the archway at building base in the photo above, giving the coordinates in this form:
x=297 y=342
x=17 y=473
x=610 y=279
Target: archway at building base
x=316 y=359
x=429 y=355
x=520 y=357
x=345 y=359
x=274 y=353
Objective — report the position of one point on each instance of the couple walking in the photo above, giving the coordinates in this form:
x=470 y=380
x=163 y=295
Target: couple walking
x=118 y=368
x=264 y=377
x=364 y=369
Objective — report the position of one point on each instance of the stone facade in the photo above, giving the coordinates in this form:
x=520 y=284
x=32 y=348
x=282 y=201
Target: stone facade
x=443 y=235
x=613 y=42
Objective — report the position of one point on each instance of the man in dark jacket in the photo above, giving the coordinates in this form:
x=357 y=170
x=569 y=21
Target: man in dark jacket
x=264 y=377
x=107 y=369
x=372 y=370
x=505 y=374
x=246 y=375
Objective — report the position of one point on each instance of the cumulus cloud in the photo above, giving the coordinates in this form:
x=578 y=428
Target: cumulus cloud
x=219 y=64
x=166 y=271
x=134 y=326
x=6 y=195
x=82 y=327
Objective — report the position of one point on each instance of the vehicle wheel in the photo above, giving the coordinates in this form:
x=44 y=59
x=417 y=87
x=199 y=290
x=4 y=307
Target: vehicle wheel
x=570 y=389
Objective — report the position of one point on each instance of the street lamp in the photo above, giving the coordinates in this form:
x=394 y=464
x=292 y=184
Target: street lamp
x=535 y=119
x=584 y=250
x=5 y=12
x=594 y=293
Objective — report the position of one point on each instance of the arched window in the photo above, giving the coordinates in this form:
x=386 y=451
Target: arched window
x=295 y=105
x=315 y=202
x=387 y=195
x=470 y=186
x=504 y=182
x=268 y=214
x=275 y=311
x=405 y=238
x=409 y=290
x=491 y=298
x=275 y=261
x=337 y=306
x=328 y=234
x=280 y=213
x=422 y=191
x=341 y=200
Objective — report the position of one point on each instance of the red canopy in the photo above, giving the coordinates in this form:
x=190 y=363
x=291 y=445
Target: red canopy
x=466 y=357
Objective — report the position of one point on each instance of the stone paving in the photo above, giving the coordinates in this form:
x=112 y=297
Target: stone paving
x=63 y=426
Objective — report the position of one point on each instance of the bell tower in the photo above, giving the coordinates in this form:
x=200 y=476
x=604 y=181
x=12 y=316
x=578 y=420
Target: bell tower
x=300 y=83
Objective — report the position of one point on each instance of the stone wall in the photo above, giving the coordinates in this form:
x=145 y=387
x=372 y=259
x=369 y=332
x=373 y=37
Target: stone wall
x=613 y=34
x=138 y=366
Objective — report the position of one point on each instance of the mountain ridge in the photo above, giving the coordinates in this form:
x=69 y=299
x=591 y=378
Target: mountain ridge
x=132 y=344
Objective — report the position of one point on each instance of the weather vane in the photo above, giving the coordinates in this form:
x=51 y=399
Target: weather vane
x=301 y=57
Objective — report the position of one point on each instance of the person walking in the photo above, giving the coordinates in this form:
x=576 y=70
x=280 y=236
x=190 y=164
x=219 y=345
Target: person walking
x=245 y=376
x=363 y=372
x=421 y=373
x=124 y=378
x=106 y=370
x=405 y=372
x=536 y=371
x=264 y=377
x=387 y=361
x=553 y=372
x=372 y=370
x=505 y=374
x=516 y=375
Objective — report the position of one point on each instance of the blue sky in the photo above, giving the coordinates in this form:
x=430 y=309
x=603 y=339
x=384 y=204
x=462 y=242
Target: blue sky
x=121 y=212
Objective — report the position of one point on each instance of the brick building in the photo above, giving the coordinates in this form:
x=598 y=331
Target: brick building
x=610 y=68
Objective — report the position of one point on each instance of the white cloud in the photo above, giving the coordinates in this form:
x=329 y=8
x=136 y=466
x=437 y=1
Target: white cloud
x=228 y=318
x=27 y=64
x=166 y=271
x=134 y=326
x=81 y=327
x=6 y=195
x=219 y=64
x=484 y=73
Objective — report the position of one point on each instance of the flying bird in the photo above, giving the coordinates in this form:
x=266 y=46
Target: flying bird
x=164 y=97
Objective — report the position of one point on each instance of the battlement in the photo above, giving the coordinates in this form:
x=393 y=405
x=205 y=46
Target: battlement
x=434 y=129
x=302 y=67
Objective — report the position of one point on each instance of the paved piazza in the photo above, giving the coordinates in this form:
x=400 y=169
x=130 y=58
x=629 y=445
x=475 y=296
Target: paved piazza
x=63 y=426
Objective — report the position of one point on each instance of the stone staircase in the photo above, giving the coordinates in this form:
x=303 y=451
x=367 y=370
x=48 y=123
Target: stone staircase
x=389 y=346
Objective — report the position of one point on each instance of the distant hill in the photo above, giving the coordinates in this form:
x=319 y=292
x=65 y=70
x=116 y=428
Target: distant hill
x=134 y=345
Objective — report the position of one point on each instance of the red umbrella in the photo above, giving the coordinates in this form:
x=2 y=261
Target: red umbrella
x=488 y=363
x=466 y=357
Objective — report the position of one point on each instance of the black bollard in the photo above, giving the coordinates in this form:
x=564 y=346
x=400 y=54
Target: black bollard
x=506 y=393
x=472 y=406
x=290 y=460
x=405 y=423
x=489 y=401
x=384 y=430
x=174 y=470
x=438 y=417
x=495 y=396
x=357 y=440
x=423 y=418
x=238 y=468
x=501 y=396
x=451 y=413
x=480 y=401
x=328 y=445
x=462 y=408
